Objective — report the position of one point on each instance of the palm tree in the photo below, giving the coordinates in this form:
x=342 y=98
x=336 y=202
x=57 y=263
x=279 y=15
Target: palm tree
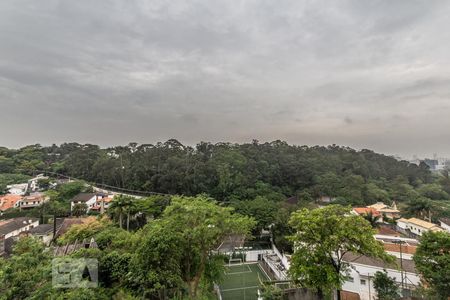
x=130 y=208
x=123 y=205
x=118 y=206
x=372 y=219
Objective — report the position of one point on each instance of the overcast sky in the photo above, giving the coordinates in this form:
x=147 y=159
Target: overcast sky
x=367 y=74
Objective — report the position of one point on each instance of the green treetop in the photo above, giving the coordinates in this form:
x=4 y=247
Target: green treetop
x=322 y=238
x=432 y=260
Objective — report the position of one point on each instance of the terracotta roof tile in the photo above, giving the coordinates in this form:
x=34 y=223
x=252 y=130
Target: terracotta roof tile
x=366 y=211
x=8 y=201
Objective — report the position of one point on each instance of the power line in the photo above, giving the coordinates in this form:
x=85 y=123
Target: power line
x=95 y=184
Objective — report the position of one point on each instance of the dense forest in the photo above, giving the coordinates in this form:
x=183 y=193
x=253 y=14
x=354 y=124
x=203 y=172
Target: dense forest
x=229 y=172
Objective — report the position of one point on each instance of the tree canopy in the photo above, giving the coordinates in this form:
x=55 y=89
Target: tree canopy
x=322 y=237
x=432 y=260
x=385 y=286
x=234 y=171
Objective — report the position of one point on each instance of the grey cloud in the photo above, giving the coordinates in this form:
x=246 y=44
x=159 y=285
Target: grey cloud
x=113 y=71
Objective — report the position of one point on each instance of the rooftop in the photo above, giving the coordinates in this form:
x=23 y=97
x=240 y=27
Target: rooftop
x=385 y=230
x=419 y=222
x=378 y=205
x=71 y=248
x=45 y=228
x=69 y=222
x=408 y=249
x=83 y=197
x=8 y=201
x=408 y=265
x=34 y=197
x=366 y=211
x=11 y=225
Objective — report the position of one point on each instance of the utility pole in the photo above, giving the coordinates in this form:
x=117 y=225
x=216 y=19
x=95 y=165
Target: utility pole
x=400 y=243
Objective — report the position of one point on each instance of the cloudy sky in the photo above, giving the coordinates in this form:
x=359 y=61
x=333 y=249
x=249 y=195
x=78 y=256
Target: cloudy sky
x=368 y=74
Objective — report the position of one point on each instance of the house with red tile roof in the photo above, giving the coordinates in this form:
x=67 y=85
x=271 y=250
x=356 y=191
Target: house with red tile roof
x=105 y=202
x=362 y=211
x=9 y=201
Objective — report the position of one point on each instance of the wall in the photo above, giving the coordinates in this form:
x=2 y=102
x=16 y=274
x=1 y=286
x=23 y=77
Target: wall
x=301 y=294
x=364 y=272
x=445 y=226
x=25 y=228
x=252 y=255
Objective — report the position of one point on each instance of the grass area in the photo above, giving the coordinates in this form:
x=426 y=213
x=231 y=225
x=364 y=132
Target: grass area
x=242 y=282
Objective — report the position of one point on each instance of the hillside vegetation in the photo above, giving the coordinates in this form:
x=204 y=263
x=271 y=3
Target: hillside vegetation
x=236 y=171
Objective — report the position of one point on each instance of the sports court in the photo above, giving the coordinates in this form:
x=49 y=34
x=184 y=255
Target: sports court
x=242 y=281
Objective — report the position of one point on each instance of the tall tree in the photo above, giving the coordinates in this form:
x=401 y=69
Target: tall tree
x=385 y=286
x=130 y=209
x=26 y=271
x=261 y=209
x=189 y=230
x=119 y=206
x=322 y=238
x=432 y=260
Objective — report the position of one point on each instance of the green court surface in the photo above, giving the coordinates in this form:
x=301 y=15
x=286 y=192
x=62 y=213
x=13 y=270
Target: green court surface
x=241 y=282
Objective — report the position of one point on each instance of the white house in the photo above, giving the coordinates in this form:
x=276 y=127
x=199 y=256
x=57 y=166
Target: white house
x=362 y=268
x=87 y=198
x=33 y=200
x=92 y=200
x=445 y=224
x=417 y=226
x=13 y=227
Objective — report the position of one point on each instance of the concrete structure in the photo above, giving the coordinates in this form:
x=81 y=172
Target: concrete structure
x=17 y=189
x=12 y=228
x=445 y=224
x=277 y=263
x=33 y=200
x=33 y=183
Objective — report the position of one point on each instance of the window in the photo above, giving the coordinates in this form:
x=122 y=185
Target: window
x=350 y=279
x=363 y=282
